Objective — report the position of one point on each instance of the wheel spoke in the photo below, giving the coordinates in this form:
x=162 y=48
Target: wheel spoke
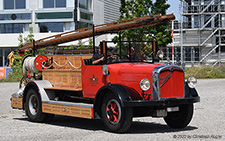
x=115 y=118
x=114 y=106
x=115 y=113
x=110 y=118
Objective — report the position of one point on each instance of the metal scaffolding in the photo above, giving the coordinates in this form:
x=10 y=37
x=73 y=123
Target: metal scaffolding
x=200 y=37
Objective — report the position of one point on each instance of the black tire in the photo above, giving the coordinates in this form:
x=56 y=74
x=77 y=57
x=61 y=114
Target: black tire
x=117 y=118
x=181 y=118
x=33 y=108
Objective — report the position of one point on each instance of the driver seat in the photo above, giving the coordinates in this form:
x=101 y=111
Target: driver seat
x=88 y=61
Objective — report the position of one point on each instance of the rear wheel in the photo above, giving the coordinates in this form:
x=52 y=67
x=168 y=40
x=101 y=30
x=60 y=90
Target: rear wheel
x=33 y=108
x=115 y=117
x=181 y=118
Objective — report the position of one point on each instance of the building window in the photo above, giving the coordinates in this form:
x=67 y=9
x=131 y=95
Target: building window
x=55 y=15
x=207 y=18
x=14 y=4
x=1 y=57
x=11 y=28
x=85 y=4
x=51 y=27
x=206 y=2
x=86 y=16
x=196 y=21
x=196 y=2
x=19 y=16
x=83 y=25
x=54 y=3
x=216 y=21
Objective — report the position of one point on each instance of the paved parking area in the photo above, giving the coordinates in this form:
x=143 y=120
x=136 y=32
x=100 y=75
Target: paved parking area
x=208 y=122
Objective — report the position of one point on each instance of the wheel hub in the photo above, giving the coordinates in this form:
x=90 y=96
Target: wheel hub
x=33 y=106
x=113 y=111
x=110 y=112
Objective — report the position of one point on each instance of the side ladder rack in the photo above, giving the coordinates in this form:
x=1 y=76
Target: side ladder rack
x=99 y=30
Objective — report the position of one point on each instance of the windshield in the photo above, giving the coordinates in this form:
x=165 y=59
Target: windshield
x=129 y=52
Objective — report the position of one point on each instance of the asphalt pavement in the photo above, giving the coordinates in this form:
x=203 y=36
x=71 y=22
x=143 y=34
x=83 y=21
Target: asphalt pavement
x=208 y=122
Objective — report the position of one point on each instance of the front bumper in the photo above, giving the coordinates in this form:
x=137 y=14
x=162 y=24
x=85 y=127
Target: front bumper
x=170 y=102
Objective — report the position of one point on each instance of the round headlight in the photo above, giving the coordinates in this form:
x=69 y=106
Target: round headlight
x=145 y=84
x=192 y=81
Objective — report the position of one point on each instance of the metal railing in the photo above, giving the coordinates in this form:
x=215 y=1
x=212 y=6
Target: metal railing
x=209 y=53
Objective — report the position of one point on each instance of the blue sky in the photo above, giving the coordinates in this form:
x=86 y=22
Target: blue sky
x=174 y=7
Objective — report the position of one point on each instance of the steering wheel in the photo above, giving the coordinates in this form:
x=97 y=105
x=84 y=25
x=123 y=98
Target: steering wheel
x=112 y=58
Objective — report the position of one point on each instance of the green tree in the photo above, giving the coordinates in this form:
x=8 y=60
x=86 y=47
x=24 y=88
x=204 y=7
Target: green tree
x=80 y=45
x=139 y=8
x=28 y=39
x=90 y=43
x=16 y=73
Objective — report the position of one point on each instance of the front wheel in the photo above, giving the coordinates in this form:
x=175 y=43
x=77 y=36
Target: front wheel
x=115 y=117
x=33 y=108
x=181 y=118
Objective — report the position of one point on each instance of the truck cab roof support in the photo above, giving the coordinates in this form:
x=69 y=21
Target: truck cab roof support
x=93 y=28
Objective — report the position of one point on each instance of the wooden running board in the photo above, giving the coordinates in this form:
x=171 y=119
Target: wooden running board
x=68 y=109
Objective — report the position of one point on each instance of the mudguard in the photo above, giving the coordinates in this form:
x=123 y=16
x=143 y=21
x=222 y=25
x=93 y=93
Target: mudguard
x=190 y=92
x=39 y=86
x=121 y=92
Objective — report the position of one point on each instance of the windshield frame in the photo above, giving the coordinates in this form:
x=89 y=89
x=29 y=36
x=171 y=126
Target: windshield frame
x=105 y=51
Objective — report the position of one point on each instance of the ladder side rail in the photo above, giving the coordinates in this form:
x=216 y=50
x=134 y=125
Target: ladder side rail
x=99 y=30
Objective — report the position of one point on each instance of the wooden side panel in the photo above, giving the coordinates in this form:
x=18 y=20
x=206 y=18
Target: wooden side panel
x=75 y=80
x=17 y=102
x=63 y=78
x=66 y=72
x=68 y=61
x=75 y=111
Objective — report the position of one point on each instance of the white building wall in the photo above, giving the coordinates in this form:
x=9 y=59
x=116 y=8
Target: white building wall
x=40 y=4
x=1 y=5
x=98 y=12
x=70 y=4
x=111 y=10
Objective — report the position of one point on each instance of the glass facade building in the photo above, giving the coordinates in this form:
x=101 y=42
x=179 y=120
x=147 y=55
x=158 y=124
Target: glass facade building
x=48 y=17
x=45 y=16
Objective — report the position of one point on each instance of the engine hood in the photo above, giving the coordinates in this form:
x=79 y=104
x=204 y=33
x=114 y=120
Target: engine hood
x=132 y=72
x=132 y=68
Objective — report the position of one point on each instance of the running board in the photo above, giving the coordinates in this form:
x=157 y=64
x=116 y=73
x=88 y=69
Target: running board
x=80 y=110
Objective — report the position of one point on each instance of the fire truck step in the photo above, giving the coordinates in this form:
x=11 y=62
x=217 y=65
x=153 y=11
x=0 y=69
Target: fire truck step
x=17 y=103
x=81 y=110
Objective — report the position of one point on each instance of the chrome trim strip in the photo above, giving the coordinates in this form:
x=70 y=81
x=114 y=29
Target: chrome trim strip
x=155 y=91
x=166 y=67
x=156 y=94
x=69 y=104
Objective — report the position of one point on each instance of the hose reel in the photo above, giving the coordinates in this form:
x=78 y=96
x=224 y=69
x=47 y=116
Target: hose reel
x=33 y=64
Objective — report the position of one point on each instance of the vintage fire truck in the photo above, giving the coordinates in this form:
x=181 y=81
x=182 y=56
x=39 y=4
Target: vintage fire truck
x=115 y=91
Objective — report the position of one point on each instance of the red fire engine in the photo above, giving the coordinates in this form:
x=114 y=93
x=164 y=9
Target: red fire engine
x=127 y=84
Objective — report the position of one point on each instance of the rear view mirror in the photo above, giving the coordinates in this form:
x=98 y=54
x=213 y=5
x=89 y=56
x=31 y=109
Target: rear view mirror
x=160 y=54
x=105 y=70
